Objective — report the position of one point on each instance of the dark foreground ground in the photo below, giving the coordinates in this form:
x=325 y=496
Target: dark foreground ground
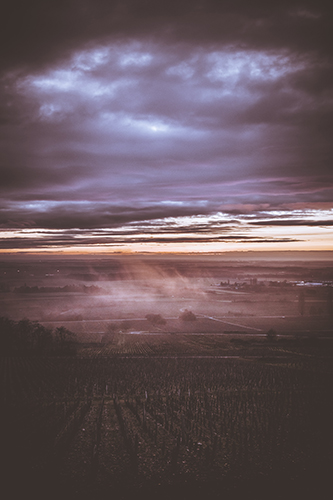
x=183 y=423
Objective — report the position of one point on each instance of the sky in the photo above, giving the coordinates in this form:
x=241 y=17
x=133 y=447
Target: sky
x=166 y=126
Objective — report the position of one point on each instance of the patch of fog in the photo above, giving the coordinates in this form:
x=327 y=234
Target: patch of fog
x=130 y=290
x=127 y=289
x=146 y=286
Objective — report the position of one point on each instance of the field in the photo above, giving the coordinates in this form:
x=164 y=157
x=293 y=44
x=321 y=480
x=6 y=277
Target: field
x=240 y=296
x=97 y=425
x=160 y=403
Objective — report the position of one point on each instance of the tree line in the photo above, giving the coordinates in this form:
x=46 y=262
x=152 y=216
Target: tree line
x=27 y=337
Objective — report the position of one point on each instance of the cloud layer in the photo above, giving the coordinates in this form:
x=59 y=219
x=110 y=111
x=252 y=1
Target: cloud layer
x=117 y=115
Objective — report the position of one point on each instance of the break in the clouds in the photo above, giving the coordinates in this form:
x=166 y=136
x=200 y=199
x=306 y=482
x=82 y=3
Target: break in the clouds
x=190 y=123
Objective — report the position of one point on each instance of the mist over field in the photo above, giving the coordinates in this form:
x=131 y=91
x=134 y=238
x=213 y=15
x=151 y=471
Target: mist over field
x=86 y=294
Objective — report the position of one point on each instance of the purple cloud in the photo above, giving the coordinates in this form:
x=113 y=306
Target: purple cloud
x=118 y=113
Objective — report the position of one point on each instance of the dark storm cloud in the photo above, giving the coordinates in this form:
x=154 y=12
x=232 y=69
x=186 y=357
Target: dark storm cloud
x=37 y=31
x=54 y=242
x=85 y=215
x=113 y=113
x=319 y=223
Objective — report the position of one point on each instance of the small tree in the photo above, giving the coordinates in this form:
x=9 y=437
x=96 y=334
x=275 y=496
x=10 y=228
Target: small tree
x=187 y=316
x=271 y=335
x=64 y=340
